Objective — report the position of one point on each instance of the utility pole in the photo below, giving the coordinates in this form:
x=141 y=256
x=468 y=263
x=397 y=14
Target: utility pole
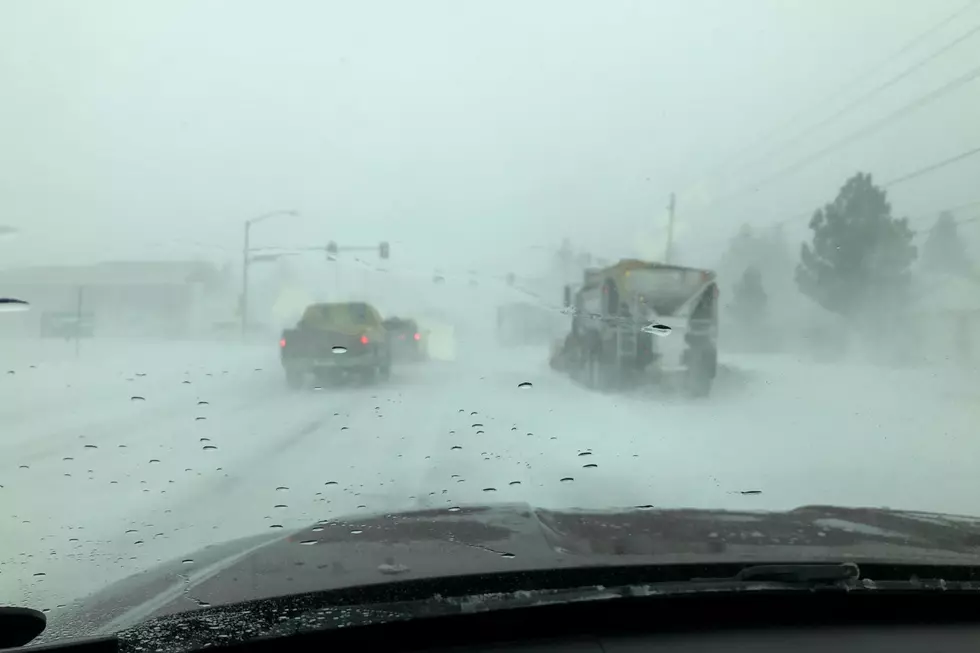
x=670 y=228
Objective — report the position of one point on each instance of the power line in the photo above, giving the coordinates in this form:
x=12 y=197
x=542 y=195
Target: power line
x=932 y=167
x=870 y=94
x=863 y=132
x=873 y=70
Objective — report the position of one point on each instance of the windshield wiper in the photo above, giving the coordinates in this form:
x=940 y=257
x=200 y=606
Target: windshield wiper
x=793 y=574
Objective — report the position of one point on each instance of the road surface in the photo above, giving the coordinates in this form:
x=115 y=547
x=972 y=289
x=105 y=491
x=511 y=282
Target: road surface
x=137 y=453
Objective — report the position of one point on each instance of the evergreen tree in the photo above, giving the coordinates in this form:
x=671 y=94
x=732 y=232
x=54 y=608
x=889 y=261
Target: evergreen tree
x=860 y=255
x=749 y=298
x=943 y=250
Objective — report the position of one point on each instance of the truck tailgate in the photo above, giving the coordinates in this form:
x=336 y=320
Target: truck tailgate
x=321 y=344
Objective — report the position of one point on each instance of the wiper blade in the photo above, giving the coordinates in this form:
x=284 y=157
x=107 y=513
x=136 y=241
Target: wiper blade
x=794 y=574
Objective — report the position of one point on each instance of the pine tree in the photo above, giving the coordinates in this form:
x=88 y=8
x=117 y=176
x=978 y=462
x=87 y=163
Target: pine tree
x=860 y=256
x=749 y=298
x=943 y=250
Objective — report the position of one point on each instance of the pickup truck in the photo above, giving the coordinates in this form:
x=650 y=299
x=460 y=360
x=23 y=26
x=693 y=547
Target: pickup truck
x=334 y=341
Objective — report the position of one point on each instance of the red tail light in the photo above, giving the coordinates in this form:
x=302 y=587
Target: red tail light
x=282 y=343
x=418 y=336
x=364 y=340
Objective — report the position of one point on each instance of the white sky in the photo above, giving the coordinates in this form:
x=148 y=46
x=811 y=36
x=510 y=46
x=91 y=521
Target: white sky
x=458 y=130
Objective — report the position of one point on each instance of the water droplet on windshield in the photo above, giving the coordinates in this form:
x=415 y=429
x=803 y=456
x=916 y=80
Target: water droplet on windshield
x=276 y=526
x=480 y=432
x=454 y=509
x=185 y=382
x=585 y=453
x=589 y=466
x=200 y=419
x=203 y=403
x=39 y=574
x=514 y=483
x=91 y=446
x=524 y=385
x=308 y=542
x=187 y=561
x=205 y=439
x=122 y=446
x=567 y=479
x=477 y=425
x=317 y=529
x=209 y=447
x=489 y=489
x=661 y=330
x=751 y=492
x=507 y=555
x=356 y=532
x=282 y=488
x=136 y=398
x=280 y=505
x=154 y=460
x=455 y=447
x=339 y=350
x=330 y=483
x=344 y=428
x=68 y=458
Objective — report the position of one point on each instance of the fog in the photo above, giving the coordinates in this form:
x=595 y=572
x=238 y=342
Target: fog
x=495 y=151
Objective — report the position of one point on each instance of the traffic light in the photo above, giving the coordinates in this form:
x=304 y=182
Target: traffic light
x=383 y=249
x=331 y=247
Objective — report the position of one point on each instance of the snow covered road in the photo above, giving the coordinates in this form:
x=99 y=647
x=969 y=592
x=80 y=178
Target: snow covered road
x=137 y=454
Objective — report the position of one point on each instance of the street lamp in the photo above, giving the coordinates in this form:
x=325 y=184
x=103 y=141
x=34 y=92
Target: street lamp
x=245 y=259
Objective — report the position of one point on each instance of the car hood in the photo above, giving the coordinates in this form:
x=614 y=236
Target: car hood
x=364 y=550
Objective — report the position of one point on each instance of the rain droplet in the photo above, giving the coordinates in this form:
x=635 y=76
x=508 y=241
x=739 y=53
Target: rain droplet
x=200 y=419
x=330 y=483
x=308 y=542
x=282 y=488
x=203 y=403
x=280 y=505
x=589 y=466
x=489 y=489
x=209 y=447
x=205 y=439
x=356 y=532
x=507 y=555
x=187 y=561
x=477 y=425
x=138 y=542
x=751 y=492
x=68 y=458
x=122 y=446
x=514 y=483
x=567 y=479
x=317 y=529
x=454 y=509
x=343 y=428
x=39 y=574
x=11 y=305
x=90 y=446
x=524 y=385
x=480 y=432
x=24 y=467
x=661 y=330
x=185 y=382
x=645 y=506
x=136 y=398
x=455 y=447
x=339 y=350
x=276 y=526
x=585 y=453
x=154 y=460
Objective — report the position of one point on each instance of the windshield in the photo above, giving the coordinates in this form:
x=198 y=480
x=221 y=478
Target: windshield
x=197 y=197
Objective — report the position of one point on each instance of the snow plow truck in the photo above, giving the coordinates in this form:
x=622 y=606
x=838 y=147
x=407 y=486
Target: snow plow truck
x=637 y=322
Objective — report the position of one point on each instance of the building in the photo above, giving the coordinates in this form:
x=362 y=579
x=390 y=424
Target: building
x=172 y=299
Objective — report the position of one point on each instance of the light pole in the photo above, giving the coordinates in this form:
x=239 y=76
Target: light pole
x=246 y=260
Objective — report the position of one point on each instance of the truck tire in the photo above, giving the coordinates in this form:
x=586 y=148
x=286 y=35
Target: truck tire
x=700 y=373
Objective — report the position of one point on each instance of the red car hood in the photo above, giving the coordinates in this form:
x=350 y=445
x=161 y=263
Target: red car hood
x=359 y=551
